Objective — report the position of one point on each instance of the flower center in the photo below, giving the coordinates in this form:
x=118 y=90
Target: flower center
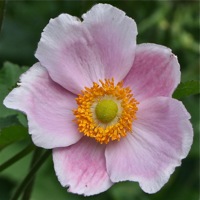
x=106 y=111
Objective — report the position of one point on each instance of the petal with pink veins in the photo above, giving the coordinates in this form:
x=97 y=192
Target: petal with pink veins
x=114 y=35
x=82 y=168
x=155 y=72
x=162 y=136
x=76 y=53
x=66 y=51
x=48 y=107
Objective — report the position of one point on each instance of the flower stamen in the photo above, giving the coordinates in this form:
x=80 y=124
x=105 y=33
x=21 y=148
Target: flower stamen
x=106 y=111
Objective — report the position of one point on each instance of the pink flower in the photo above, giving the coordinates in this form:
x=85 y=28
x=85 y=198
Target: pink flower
x=104 y=104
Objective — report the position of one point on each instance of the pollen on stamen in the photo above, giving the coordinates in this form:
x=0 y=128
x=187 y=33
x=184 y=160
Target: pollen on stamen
x=108 y=130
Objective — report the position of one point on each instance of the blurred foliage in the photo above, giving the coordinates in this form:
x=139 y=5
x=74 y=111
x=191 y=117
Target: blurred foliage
x=9 y=75
x=171 y=23
x=186 y=89
x=2 y=11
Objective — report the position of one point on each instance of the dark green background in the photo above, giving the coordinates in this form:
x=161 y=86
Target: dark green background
x=171 y=23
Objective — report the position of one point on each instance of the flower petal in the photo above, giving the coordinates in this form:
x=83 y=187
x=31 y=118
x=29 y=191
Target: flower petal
x=77 y=54
x=162 y=136
x=114 y=35
x=82 y=167
x=48 y=107
x=65 y=50
x=155 y=72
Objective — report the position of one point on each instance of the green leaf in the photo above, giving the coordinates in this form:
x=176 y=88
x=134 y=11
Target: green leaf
x=9 y=75
x=5 y=112
x=186 y=89
x=8 y=121
x=12 y=134
x=22 y=119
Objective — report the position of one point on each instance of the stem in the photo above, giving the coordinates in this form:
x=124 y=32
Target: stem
x=17 y=157
x=30 y=175
x=29 y=188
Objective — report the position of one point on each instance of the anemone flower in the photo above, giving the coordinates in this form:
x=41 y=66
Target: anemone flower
x=104 y=104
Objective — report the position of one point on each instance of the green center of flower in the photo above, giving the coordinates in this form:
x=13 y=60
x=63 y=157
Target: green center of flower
x=106 y=110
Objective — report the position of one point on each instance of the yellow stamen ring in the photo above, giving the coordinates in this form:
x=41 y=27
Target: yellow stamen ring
x=106 y=111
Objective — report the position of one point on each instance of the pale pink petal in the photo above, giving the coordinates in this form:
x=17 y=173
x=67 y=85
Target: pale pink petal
x=82 y=168
x=155 y=72
x=48 y=107
x=114 y=35
x=76 y=56
x=65 y=49
x=162 y=136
